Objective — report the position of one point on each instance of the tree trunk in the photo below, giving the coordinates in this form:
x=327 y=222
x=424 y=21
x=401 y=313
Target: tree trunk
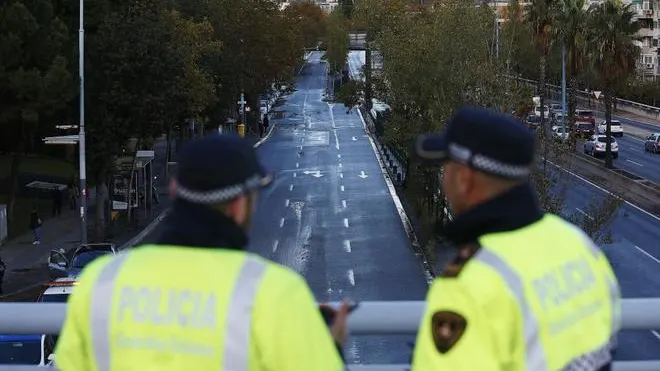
x=544 y=129
x=99 y=210
x=608 y=128
x=16 y=159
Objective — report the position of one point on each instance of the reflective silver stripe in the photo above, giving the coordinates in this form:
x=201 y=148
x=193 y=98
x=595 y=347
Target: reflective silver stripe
x=239 y=313
x=534 y=352
x=613 y=285
x=101 y=310
x=593 y=360
x=239 y=316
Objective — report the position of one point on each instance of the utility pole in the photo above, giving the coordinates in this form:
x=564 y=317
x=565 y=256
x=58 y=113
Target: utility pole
x=81 y=135
x=563 y=81
x=242 y=103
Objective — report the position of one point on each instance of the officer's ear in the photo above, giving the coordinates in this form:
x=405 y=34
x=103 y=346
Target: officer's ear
x=237 y=209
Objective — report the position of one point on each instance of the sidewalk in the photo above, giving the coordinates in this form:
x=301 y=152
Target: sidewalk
x=27 y=263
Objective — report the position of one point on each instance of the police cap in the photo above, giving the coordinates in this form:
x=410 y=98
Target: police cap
x=485 y=140
x=218 y=168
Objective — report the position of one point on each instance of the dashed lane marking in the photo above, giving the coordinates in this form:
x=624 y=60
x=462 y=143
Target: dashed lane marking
x=345 y=222
x=275 y=244
x=281 y=222
x=347 y=245
x=351 y=277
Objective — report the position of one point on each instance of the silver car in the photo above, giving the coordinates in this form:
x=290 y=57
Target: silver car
x=596 y=144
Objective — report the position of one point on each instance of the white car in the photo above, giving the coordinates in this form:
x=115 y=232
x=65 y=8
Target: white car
x=615 y=127
x=595 y=146
x=559 y=133
x=546 y=111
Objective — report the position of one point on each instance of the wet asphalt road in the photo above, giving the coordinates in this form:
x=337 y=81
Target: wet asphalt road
x=330 y=215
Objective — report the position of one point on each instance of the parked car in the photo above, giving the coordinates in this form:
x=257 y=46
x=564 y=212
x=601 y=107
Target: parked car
x=546 y=111
x=652 y=143
x=559 y=133
x=585 y=129
x=23 y=350
x=60 y=265
x=585 y=115
x=596 y=145
x=615 y=127
x=533 y=120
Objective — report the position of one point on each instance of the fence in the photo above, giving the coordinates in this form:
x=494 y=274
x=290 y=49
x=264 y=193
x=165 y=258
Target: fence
x=370 y=318
x=585 y=98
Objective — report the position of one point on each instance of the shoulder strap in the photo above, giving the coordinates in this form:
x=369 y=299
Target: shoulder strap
x=465 y=253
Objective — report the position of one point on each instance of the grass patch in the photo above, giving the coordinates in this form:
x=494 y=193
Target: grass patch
x=22 y=210
x=37 y=165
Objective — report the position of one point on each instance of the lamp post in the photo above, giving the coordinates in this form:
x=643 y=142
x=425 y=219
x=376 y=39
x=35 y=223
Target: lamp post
x=81 y=134
x=563 y=82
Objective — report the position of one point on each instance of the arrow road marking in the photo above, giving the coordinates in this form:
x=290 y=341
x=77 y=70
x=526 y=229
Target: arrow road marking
x=314 y=173
x=354 y=139
x=347 y=245
x=363 y=175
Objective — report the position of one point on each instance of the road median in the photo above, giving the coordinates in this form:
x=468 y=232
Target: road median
x=631 y=188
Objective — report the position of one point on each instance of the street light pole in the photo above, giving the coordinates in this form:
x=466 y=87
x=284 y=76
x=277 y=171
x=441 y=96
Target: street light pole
x=81 y=140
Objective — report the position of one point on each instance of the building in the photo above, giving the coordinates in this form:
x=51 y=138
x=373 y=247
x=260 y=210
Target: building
x=648 y=65
x=327 y=5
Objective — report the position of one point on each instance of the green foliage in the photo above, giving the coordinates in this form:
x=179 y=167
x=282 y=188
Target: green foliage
x=337 y=42
x=346 y=7
x=310 y=20
x=349 y=94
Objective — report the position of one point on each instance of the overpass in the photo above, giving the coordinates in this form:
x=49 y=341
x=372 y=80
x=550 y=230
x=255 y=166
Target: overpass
x=357 y=40
x=371 y=318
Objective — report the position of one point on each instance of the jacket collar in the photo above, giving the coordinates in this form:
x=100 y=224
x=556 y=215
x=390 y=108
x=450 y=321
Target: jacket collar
x=201 y=226
x=509 y=211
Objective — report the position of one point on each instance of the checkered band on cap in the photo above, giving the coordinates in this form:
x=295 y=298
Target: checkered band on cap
x=487 y=164
x=220 y=195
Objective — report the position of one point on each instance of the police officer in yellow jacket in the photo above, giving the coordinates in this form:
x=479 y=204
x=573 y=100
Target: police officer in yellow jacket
x=527 y=290
x=196 y=300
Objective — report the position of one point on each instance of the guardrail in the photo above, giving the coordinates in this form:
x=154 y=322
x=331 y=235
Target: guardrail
x=370 y=318
x=629 y=106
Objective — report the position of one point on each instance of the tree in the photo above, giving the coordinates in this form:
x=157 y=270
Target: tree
x=346 y=7
x=571 y=31
x=34 y=79
x=612 y=29
x=337 y=43
x=309 y=19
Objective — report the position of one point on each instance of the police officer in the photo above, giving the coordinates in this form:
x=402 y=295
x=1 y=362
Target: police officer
x=197 y=300
x=527 y=290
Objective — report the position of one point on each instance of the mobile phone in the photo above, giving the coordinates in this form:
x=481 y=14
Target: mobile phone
x=329 y=313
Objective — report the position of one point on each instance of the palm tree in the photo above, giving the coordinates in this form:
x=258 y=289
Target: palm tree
x=571 y=29
x=612 y=32
x=541 y=16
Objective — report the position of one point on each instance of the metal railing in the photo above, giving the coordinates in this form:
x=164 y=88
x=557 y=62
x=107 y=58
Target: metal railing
x=641 y=109
x=371 y=318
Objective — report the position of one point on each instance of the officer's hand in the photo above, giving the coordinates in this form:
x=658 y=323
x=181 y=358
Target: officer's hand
x=339 y=327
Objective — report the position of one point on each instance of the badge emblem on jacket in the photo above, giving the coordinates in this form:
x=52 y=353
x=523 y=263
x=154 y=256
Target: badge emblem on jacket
x=447 y=328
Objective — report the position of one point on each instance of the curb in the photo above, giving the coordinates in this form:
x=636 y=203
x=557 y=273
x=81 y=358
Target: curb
x=405 y=220
x=148 y=229
x=262 y=140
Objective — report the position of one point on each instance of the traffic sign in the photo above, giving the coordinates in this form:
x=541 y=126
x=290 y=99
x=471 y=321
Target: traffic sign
x=597 y=94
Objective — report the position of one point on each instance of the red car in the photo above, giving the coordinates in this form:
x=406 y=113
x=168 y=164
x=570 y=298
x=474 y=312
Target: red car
x=585 y=115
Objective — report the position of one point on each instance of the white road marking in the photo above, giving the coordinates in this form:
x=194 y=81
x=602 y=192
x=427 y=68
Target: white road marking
x=275 y=244
x=633 y=162
x=351 y=277
x=281 y=222
x=342 y=188
x=634 y=149
x=605 y=191
x=347 y=245
x=343 y=203
x=648 y=254
x=297 y=165
x=295 y=175
x=340 y=165
x=338 y=156
x=334 y=131
x=656 y=334
x=286 y=203
x=345 y=223
x=291 y=187
x=584 y=213
x=363 y=175
x=341 y=175
x=395 y=197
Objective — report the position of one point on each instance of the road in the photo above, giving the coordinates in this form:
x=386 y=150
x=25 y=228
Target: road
x=329 y=214
x=634 y=253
